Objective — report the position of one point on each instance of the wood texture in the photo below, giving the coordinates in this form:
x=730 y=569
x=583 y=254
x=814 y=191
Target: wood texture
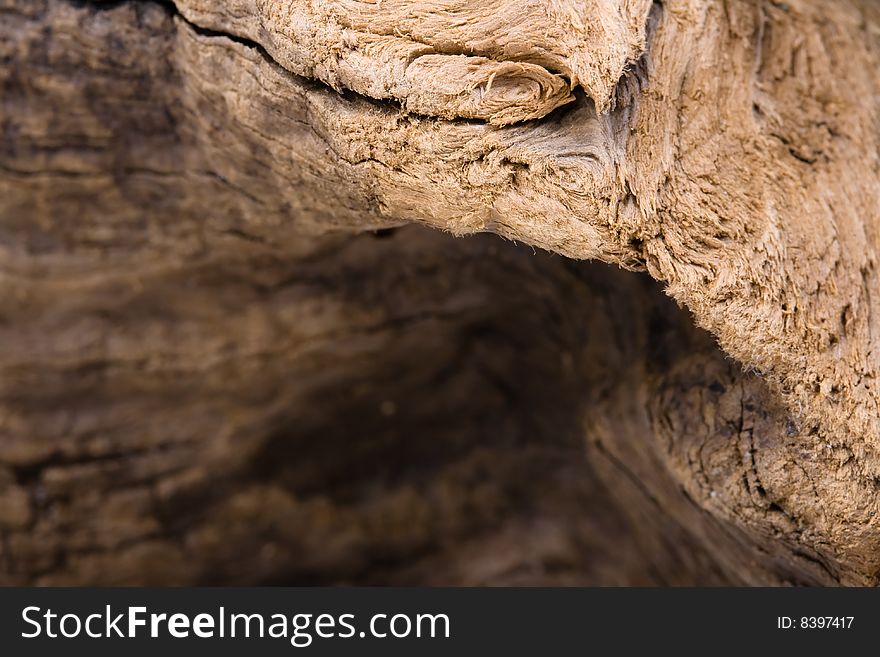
x=213 y=370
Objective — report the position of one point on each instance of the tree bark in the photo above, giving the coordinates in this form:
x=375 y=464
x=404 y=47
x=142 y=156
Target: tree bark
x=234 y=350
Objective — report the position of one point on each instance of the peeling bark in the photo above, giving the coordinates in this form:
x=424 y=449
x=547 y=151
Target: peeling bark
x=223 y=362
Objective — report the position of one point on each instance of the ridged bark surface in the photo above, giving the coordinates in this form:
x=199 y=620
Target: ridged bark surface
x=226 y=356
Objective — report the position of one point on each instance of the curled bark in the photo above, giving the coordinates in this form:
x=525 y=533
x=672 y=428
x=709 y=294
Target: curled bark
x=207 y=353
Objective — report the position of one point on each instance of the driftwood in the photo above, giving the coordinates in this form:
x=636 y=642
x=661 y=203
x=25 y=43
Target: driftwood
x=226 y=355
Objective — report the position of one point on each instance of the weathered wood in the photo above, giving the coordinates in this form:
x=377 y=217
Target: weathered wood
x=213 y=371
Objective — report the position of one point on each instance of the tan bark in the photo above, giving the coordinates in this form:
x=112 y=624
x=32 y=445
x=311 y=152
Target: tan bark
x=213 y=370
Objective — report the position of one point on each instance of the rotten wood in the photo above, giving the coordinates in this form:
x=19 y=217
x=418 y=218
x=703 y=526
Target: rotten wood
x=223 y=359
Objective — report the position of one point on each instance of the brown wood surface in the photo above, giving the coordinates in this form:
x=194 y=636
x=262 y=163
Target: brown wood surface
x=227 y=355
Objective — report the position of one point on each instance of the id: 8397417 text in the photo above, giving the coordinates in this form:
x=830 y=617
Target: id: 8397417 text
x=814 y=622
